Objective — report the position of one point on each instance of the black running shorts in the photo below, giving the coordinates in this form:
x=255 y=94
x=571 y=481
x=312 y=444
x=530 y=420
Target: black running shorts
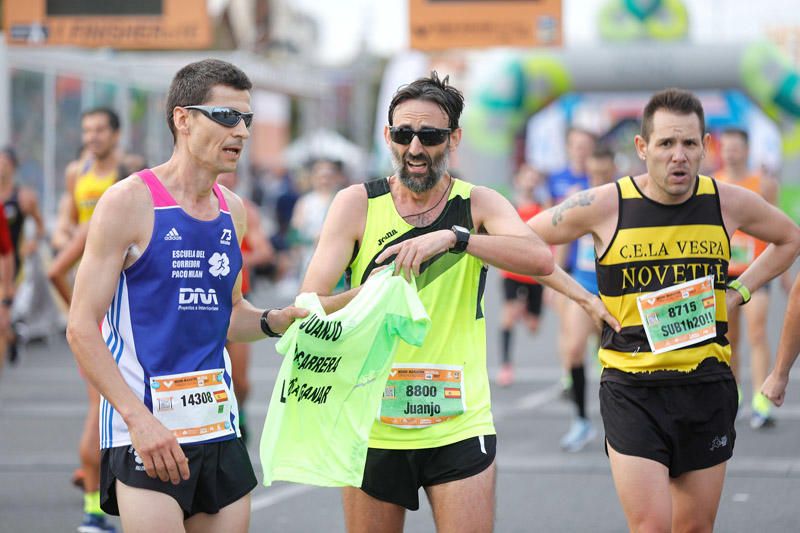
x=530 y=292
x=395 y=476
x=684 y=427
x=220 y=474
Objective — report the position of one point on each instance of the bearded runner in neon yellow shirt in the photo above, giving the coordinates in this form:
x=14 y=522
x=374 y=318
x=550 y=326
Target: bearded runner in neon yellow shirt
x=332 y=379
x=434 y=428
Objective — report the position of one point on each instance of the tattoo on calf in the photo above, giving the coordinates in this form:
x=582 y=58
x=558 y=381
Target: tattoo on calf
x=579 y=200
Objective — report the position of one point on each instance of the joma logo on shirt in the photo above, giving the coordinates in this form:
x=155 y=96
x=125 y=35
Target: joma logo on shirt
x=383 y=239
x=197 y=296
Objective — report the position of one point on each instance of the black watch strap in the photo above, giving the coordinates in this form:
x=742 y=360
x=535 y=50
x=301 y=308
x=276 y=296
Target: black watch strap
x=462 y=239
x=265 y=325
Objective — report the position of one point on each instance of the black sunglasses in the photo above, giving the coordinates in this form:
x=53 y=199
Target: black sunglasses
x=223 y=115
x=427 y=136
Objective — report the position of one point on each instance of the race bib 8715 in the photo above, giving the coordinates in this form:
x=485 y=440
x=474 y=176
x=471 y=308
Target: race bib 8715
x=680 y=315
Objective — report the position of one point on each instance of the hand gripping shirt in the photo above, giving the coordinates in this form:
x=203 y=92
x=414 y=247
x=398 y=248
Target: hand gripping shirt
x=168 y=320
x=332 y=380
x=439 y=393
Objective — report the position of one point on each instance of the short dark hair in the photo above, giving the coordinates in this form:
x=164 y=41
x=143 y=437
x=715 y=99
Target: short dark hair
x=113 y=117
x=677 y=101
x=431 y=89
x=193 y=83
x=737 y=131
x=603 y=151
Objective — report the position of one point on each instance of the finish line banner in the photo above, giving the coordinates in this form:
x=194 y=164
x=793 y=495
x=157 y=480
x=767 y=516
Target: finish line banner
x=122 y=24
x=444 y=24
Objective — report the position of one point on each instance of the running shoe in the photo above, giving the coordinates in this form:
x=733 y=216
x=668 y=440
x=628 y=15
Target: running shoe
x=580 y=433
x=95 y=523
x=506 y=376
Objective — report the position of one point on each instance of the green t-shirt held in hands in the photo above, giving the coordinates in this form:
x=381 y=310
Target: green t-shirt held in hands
x=329 y=388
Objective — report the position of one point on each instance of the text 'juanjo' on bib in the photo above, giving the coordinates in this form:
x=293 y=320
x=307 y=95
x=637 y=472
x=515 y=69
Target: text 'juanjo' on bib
x=680 y=315
x=195 y=406
x=418 y=396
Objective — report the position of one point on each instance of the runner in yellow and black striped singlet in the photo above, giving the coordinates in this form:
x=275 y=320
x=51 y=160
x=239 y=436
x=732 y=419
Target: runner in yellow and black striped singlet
x=441 y=231
x=667 y=395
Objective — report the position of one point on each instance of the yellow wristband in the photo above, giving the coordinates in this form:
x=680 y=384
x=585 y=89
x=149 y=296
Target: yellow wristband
x=736 y=285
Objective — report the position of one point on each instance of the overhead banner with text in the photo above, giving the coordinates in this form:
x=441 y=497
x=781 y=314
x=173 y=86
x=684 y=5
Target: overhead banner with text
x=123 y=24
x=443 y=24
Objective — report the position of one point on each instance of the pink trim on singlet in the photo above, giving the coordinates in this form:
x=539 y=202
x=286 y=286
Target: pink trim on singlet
x=223 y=205
x=162 y=197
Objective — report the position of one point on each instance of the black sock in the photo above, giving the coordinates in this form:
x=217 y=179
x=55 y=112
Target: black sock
x=579 y=389
x=506 y=346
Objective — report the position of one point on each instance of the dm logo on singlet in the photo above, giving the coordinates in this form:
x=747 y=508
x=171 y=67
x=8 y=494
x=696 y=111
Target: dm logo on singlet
x=220 y=264
x=197 y=300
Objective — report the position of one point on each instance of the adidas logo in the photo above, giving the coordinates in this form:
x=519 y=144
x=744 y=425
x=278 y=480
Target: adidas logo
x=173 y=235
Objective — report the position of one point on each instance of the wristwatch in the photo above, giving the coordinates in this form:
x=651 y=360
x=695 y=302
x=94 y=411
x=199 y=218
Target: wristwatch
x=462 y=239
x=737 y=286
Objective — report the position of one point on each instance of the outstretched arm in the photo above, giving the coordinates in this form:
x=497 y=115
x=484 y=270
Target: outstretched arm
x=341 y=231
x=749 y=212
x=507 y=243
x=592 y=211
x=245 y=323
x=774 y=386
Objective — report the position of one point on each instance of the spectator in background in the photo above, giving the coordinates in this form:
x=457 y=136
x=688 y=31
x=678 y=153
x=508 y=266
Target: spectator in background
x=325 y=179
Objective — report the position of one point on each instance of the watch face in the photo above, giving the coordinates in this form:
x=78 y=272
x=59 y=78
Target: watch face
x=462 y=237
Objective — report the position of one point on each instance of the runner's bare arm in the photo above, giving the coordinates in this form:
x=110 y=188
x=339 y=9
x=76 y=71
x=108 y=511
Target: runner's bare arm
x=749 y=212
x=245 y=324
x=508 y=244
x=65 y=260
x=123 y=216
x=342 y=230
x=774 y=386
x=590 y=211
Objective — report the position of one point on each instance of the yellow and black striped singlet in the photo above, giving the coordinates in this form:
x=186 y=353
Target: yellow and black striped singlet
x=657 y=246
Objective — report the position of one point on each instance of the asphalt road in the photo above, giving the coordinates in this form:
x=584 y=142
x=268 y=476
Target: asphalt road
x=539 y=487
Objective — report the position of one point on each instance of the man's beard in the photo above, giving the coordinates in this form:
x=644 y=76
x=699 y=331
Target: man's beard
x=436 y=170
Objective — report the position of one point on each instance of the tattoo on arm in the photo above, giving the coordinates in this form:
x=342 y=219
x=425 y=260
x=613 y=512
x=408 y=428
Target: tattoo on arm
x=581 y=199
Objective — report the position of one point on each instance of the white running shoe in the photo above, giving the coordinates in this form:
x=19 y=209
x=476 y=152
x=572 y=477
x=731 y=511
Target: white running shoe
x=580 y=433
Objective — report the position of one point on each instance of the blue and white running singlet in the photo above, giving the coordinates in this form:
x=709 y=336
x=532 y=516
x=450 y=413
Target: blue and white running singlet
x=167 y=324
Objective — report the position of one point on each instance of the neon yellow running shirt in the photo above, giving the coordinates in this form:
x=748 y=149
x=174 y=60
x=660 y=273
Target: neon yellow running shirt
x=438 y=393
x=331 y=382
